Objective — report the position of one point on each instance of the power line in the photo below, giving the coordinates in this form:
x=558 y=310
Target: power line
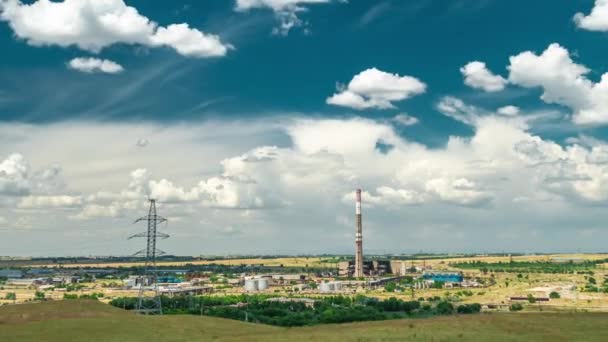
x=149 y=278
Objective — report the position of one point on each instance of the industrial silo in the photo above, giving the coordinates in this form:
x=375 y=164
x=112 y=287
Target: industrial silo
x=262 y=284
x=251 y=285
x=337 y=286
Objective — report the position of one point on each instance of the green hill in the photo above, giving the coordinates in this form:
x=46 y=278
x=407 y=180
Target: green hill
x=93 y=321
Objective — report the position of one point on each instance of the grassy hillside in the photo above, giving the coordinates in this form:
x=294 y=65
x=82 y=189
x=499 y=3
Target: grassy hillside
x=92 y=321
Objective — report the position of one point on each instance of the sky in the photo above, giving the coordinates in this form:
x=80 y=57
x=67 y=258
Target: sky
x=471 y=125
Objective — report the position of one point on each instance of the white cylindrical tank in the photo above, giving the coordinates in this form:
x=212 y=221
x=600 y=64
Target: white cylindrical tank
x=337 y=286
x=251 y=285
x=262 y=284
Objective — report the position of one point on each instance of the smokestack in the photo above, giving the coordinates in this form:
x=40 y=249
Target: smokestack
x=358 y=237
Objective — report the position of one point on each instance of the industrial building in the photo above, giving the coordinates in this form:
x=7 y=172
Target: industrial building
x=446 y=277
x=370 y=268
x=256 y=284
x=330 y=287
x=359 y=267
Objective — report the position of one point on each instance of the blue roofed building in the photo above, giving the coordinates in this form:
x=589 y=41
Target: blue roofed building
x=446 y=277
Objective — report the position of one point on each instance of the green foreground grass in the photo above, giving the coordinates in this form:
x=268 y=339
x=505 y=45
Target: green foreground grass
x=93 y=321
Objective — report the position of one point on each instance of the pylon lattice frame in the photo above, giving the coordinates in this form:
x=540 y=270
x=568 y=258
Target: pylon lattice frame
x=150 y=253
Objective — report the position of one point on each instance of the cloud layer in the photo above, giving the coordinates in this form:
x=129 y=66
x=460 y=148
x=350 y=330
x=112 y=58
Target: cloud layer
x=251 y=193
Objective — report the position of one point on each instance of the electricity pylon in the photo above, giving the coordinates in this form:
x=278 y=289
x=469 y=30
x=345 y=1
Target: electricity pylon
x=149 y=278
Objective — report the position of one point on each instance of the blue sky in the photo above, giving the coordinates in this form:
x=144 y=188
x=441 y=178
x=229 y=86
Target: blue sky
x=231 y=112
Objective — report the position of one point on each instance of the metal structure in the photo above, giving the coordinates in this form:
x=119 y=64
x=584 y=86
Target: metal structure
x=148 y=279
x=358 y=237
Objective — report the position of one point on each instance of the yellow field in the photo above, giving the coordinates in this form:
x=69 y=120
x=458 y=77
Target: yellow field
x=287 y=262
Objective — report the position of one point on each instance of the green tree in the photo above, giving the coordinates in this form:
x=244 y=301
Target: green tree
x=39 y=295
x=554 y=295
x=445 y=308
x=531 y=299
x=390 y=287
x=10 y=296
x=516 y=307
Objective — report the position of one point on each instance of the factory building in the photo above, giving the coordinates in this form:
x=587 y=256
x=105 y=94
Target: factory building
x=446 y=277
x=330 y=287
x=370 y=268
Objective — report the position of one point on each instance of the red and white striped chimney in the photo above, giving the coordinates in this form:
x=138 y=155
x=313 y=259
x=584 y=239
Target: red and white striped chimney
x=358 y=237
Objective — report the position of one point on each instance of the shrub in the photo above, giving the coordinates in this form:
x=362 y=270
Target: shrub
x=390 y=287
x=516 y=307
x=445 y=308
x=554 y=295
x=469 y=308
x=531 y=299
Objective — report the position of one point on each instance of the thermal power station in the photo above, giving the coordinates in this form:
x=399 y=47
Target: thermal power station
x=358 y=237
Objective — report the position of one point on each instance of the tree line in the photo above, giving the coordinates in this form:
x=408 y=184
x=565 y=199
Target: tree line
x=301 y=312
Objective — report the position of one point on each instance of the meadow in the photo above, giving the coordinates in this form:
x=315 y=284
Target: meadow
x=78 y=320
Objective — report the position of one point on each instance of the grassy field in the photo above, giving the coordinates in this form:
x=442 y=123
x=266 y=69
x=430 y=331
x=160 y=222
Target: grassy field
x=92 y=321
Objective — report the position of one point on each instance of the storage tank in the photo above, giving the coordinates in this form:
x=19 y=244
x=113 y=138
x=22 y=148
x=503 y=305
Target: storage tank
x=262 y=284
x=337 y=286
x=324 y=287
x=251 y=285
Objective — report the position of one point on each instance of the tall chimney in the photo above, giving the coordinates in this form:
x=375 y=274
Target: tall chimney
x=358 y=238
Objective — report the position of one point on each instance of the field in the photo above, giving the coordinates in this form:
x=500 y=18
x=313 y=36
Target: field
x=93 y=321
x=287 y=262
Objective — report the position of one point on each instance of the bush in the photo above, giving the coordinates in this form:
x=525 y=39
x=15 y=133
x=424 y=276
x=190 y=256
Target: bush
x=444 y=308
x=531 y=299
x=39 y=295
x=390 y=287
x=438 y=284
x=469 y=308
x=554 y=295
x=11 y=296
x=516 y=307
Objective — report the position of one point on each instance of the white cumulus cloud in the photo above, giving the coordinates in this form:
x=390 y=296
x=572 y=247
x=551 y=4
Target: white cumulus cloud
x=90 y=65
x=597 y=20
x=373 y=88
x=14 y=175
x=93 y=25
x=563 y=82
x=477 y=75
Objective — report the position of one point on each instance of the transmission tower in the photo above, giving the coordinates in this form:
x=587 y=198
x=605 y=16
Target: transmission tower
x=150 y=253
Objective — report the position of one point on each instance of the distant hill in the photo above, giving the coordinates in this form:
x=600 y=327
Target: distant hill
x=80 y=320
